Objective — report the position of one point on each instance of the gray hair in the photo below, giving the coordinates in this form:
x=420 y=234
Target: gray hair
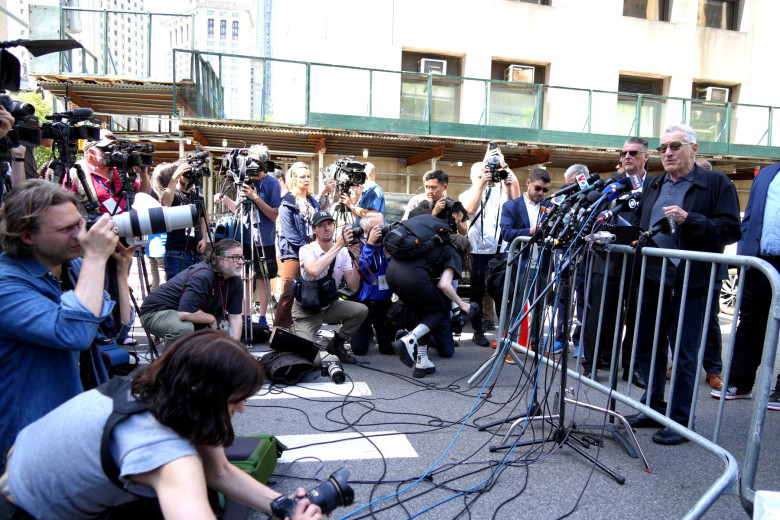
x=690 y=133
x=572 y=171
x=370 y=219
x=641 y=142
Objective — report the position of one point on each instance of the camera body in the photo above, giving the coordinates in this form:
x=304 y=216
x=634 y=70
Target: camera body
x=25 y=130
x=497 y=173
x=125 y=155
x=349 y=173
x=199 y=163
x=332 y=493
x=246 y=164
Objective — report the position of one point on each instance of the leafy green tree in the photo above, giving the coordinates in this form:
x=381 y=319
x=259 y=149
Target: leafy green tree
x=43 y=107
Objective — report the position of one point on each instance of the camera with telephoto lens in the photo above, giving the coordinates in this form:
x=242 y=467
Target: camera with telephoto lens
x=25 y=130
x=198 y=162
x=329 y=495
x=497 y=173
x=151 y=221
x=125 y=155
x=334 y=370
x=348 y=173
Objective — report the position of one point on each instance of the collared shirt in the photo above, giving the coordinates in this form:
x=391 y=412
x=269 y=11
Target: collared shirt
x=42 y=331
x=770 y=231
x=533 y=217
x=671 y=194
x=485 y=232
x=313 y=251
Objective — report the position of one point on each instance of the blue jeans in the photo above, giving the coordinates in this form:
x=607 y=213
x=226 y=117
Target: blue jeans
x=177 y=261
x=688 y=366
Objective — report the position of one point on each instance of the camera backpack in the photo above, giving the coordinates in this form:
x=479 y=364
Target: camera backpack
x=416 y=237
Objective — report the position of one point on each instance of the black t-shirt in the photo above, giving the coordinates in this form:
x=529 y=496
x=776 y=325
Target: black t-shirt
x=184 y=239
x=197 y=288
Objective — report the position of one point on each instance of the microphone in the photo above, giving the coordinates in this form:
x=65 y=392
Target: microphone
x=631 y=202
x=259 y=153
x=569 y=188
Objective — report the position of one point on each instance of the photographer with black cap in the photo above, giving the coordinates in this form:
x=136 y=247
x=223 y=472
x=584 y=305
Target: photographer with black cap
x=183 y=247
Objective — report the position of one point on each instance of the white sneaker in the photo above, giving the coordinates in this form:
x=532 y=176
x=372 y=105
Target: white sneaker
x=406 y=348
x=423 y=367
x=732 y=393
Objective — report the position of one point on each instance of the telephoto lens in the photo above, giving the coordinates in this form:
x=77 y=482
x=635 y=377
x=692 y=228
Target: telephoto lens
x=329 y=495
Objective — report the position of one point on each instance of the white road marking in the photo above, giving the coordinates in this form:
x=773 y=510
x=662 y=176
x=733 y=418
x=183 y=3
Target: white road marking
x=347 y=446
x=314 y=390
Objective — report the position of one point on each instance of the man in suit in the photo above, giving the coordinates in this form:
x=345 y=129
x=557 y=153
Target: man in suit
x=761 y=238
x=520 y=217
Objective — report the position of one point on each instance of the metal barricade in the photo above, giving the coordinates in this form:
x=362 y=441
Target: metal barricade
x=625 y=267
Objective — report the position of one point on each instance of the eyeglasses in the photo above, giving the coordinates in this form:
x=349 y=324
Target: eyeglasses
x=674 y=145
x=235 y=258
x=540 y=188
x=632 y=153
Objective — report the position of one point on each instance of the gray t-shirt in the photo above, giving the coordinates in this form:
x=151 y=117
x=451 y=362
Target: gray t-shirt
x=55 y=469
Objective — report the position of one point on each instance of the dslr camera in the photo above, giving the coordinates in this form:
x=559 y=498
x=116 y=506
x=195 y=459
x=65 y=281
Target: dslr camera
x=348 y=173
x=329 y=495
x=497 y=173
x=199 y=163
x=358 y=232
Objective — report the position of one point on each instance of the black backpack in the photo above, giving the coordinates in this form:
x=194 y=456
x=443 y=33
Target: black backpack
x=416 y=237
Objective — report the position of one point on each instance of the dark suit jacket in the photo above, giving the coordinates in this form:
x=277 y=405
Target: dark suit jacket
x=753 y=221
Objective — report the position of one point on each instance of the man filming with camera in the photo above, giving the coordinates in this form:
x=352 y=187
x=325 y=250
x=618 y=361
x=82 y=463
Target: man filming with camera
x=492 y=184
x=52 y=300
x=183 y=247
x=371 y=196
x=323 y=264
x=103 y=181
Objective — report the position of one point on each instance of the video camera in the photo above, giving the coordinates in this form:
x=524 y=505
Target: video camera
x=329 y=495
x=124 y=155
x=198 y=161
x=348 y=173
x=245 y=164
x=25 y=129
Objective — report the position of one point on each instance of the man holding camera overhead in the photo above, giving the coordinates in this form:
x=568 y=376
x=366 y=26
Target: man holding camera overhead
x=483 y=202
x=323 y=264
x=371 y=196
x=102 y=177
x=183 y=247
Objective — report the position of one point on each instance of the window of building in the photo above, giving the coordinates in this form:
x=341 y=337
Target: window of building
x=222 y=29
x=235 y=29
x=708 y=114
x=210 y=13
x=647 y=119
x=648 y=9
x=211 y=28
x=446 y=91
x=513 y=97
x=720 y=14
x=236 y=15
x=538 y=2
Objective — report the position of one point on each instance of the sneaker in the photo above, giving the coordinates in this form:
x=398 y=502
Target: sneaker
x=262 y=320
x=774 y=401
x=732 y=393
x=480 y=339
x=405 y=347
x=557 y=347
x=423 y=367
x=577 y=351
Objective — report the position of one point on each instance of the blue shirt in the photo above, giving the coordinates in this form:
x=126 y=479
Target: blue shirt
x=372 y=266
x=42 y=332
x=770 y=235
x=374 y=199
x=270 y=192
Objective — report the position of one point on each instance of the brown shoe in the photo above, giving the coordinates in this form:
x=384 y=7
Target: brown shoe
x=715 y=381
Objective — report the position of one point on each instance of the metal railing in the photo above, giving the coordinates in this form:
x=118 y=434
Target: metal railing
x=620 y=260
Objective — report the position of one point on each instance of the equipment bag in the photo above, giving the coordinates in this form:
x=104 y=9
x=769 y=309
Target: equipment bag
x=416 y=237
x=287 y=368
x=315 y=295
x=496 y=275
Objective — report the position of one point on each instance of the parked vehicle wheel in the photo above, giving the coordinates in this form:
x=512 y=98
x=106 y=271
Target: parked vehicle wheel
x=728 y=294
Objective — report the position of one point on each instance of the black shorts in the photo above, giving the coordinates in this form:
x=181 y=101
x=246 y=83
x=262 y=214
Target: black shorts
x=268 y=267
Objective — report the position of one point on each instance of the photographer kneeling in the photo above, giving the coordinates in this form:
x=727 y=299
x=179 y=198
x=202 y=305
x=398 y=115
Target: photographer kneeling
x=198 y=297
x=316 y=297
x=171 y=448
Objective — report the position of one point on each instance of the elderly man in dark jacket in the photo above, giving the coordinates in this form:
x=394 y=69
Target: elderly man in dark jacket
x=705 y=206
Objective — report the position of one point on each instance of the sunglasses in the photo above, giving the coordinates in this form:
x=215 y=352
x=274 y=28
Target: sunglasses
x=539 y=188
x=674 y=145
x=632 y=153
x=235 y=258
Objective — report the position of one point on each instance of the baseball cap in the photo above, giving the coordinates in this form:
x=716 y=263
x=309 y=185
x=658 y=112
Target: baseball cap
x=106 y=138
x=321 y=216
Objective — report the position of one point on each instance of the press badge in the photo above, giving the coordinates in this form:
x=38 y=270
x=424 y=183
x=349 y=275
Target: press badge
x=383 y=283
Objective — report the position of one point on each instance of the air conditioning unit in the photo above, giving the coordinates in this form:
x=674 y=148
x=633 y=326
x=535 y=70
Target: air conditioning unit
x=713 y=93
x=519 y=73
x=432 y=66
